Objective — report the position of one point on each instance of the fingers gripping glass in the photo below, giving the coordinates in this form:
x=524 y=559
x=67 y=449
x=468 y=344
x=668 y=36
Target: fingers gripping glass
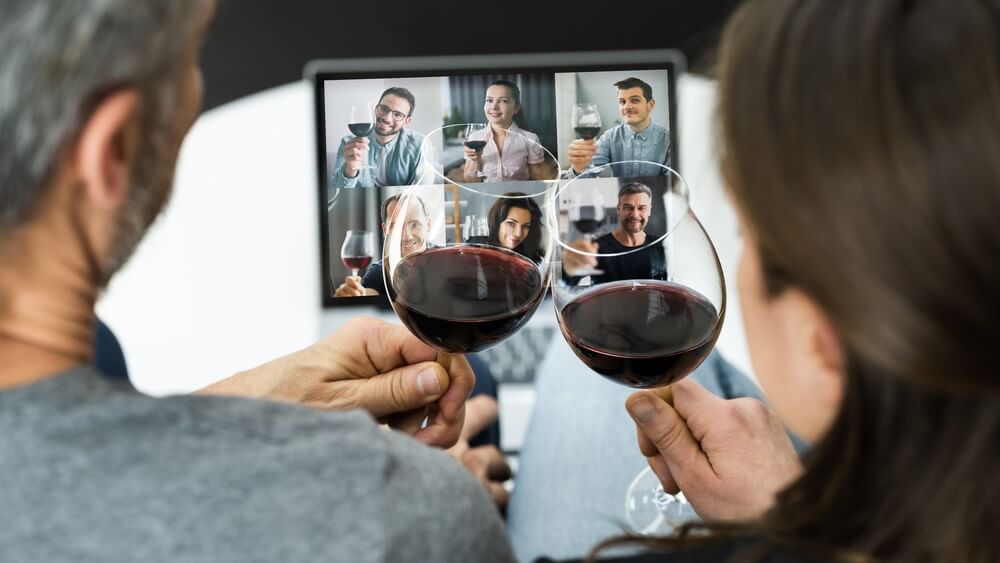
x=656 y=312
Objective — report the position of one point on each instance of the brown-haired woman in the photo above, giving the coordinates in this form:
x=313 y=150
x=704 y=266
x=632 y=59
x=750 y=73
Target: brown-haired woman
x=861 y=146
x=515 y=222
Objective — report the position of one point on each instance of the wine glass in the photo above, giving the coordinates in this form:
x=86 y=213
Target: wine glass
x=586 y=212
x=475 y=139
x=358 y=250
x=456 y=297
x=656 y=312
x=476 y=230
x=361 y=124
x=586 y=124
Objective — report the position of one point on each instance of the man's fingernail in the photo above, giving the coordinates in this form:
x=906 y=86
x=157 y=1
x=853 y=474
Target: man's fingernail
x=427 y=383
x=642 y=409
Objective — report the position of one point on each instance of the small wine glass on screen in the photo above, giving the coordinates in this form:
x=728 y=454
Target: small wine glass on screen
x=361 y=124
x=475 y=139
x=586 y=212
x=653 y=317
x=456 y=297
x=358 y=250
x=586 y=123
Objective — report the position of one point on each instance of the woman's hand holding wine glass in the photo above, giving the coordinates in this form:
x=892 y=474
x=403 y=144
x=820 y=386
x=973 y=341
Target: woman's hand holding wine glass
x=730 y=457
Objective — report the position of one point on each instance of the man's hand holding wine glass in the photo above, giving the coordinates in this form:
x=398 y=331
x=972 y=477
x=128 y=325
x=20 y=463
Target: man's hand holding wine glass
x=355 y=153
x=730 y=457
x=574 y=263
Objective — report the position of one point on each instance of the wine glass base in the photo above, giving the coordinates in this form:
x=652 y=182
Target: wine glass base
x=650 y=511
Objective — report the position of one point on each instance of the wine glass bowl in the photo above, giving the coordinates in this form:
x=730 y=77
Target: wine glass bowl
x=586 y=121
x=460 y=297
x=358 y=250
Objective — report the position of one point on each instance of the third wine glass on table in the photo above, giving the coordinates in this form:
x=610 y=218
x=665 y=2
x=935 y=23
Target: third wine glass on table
x=656 y=312
x=358 y=250
x=361 y=124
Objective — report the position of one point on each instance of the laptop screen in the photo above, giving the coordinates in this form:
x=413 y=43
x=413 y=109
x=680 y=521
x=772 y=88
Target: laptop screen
x=505 y=124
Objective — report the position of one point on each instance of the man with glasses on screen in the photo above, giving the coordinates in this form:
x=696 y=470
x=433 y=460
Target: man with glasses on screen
x=390 y=155
x=635 y=138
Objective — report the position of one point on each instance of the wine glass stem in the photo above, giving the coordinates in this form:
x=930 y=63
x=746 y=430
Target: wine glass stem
x=354 y=272
x=444 y=358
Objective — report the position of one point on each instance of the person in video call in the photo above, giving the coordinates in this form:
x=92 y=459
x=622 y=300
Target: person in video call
x=635 y=202
x=414 y=239
x=515 y=223
x=511 y=152
x=390 y=155
x=866 y=188
x=88 y=168
x=635 y=138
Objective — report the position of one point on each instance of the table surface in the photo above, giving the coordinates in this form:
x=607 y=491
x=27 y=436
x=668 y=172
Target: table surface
x=228 y=277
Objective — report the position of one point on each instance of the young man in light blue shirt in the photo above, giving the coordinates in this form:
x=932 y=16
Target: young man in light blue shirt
x=636 y=138
x=388 y=156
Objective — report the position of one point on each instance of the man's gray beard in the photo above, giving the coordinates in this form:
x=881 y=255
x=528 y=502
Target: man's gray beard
x=149 y=189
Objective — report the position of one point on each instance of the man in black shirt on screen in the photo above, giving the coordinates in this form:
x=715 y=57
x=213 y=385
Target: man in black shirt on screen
x=634 y=207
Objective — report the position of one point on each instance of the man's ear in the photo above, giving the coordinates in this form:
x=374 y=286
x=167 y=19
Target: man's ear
x=107 y=147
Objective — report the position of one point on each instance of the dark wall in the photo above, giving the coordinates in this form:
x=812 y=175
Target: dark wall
x=257 y=44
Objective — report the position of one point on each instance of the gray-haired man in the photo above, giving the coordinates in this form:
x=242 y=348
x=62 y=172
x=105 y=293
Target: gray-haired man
x=95 y=99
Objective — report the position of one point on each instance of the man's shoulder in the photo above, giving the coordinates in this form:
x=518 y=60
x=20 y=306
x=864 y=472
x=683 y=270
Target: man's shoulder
x=411 y=136
x=233 y=479
x=608 y=241
x=658 y=130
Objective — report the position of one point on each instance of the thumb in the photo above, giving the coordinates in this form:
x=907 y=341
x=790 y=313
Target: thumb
x=664 y=428
x=403 y=389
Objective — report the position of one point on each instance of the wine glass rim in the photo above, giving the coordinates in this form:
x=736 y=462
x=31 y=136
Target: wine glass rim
x=364 y=231
x=554 y=228
x=465 y=185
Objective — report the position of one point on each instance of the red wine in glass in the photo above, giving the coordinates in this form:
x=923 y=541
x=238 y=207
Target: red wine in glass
x=587 y=133
x=641 y=333
x=357 y=250
x=361 y=129
x=476 y=145
x=357 y=263
x=465 y=298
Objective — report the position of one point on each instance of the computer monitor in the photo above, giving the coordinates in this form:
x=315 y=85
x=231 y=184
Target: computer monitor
x=414 y=113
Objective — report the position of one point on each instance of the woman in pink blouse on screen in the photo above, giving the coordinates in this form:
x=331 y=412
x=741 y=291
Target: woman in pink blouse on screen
x=511 y=153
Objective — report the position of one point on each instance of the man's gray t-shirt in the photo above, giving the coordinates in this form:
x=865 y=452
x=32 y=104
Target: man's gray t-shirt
x=94 y=471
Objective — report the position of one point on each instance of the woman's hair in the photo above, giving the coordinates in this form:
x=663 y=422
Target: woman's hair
x=515 y=94
x=531 y=246
x=861 y=145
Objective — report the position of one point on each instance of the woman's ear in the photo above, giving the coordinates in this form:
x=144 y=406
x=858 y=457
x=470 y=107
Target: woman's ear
x=819 y=366
x=107 y=148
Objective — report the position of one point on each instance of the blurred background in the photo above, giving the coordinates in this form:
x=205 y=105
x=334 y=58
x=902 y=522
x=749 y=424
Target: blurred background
x=258 y=44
